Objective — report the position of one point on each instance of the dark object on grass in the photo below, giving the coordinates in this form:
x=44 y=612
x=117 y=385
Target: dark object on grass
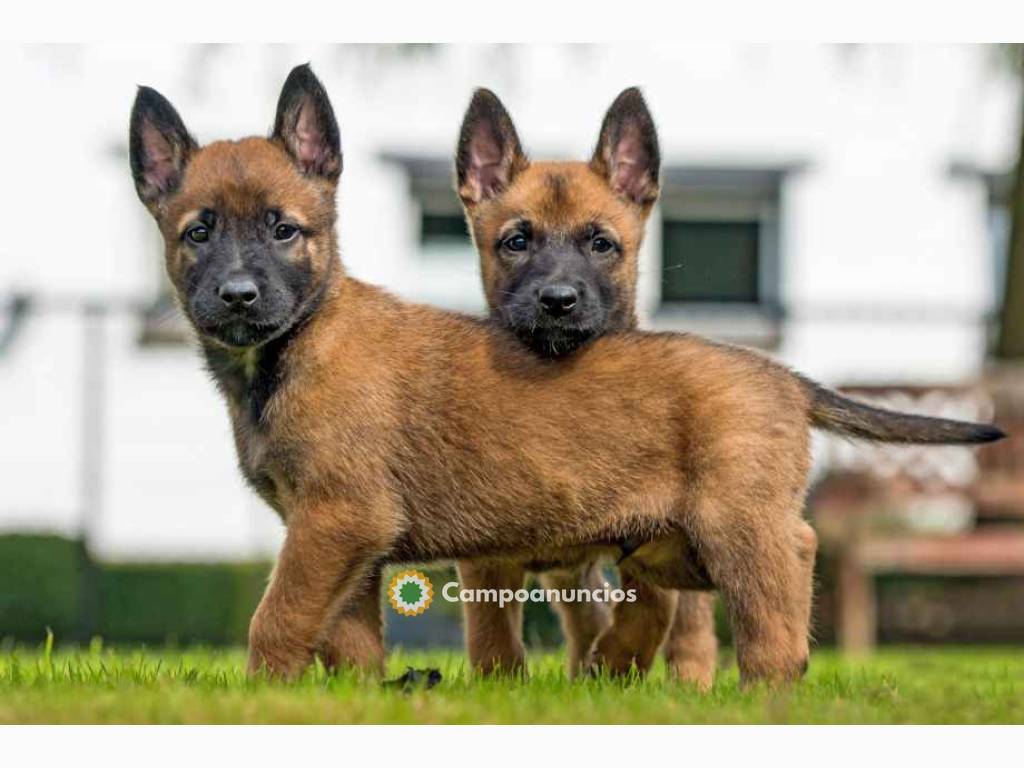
x=415 y=678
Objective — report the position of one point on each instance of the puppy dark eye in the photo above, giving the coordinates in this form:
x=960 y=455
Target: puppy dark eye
x=284 y=232
x=515 y=243
x=602 y=245
x=198 y=234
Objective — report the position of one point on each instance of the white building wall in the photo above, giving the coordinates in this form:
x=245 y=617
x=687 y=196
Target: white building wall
x=885 y=256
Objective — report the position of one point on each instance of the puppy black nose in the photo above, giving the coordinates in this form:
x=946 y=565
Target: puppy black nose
x=239 y=293
x=558 y=299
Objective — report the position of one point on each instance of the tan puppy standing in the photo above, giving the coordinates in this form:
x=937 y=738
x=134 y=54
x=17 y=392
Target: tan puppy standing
x=383 y=431
x=556 y=295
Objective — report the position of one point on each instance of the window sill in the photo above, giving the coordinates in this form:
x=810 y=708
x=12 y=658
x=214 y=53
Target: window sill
x=752 y=325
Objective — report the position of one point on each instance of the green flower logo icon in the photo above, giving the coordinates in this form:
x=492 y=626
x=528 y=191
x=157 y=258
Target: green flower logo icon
x=410 y=593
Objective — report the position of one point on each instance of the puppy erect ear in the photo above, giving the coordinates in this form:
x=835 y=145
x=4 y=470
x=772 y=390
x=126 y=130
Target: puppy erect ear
x=489 y=155
x=159 y=147
x=627 y=152
x=305 y=125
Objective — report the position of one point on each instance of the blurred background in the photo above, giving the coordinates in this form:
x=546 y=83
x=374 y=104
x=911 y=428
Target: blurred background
x=854 y=211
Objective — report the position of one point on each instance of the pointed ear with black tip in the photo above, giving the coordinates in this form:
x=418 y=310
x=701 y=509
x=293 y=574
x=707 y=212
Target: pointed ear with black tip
x=627 y=153
x=489 y=155
x=306 y=126
x=159 y=147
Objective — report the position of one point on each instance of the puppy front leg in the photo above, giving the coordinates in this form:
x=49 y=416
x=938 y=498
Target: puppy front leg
x=582 y=621
x=324 y=560
x=637 y=630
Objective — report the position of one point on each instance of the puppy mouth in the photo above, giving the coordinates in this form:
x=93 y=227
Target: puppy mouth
x=555 y=339
x=551 y=336
x=240 y=332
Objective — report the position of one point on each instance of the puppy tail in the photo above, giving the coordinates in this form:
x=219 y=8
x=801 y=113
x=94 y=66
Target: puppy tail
x=834 y=413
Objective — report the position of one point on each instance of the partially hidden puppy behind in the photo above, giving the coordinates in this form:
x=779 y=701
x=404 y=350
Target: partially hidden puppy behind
x=383 y=431
x=560 y=274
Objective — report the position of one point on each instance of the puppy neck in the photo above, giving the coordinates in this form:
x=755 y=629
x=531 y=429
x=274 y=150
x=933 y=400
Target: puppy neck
x=250 y=376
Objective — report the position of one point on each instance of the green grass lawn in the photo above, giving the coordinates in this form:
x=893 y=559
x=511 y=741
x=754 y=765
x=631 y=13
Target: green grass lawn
x=204 y=686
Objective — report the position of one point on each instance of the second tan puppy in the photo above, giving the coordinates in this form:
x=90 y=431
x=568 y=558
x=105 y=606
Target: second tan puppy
x=557 y=294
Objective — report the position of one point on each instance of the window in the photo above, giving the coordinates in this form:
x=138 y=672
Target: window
x=438 y=230
x=719 y=236
x=441 y=223
x=441 y=233
x=710 y=261
x=720 y=252
x=439 y=264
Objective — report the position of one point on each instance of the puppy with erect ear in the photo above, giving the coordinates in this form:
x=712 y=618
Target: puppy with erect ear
x=489 y=155
x=305 y=125
x=627 y=153
x=159 y=148
x=558 y=241
x=273 y=201
x=286 y=237
x=558 y=245
x=389 y=432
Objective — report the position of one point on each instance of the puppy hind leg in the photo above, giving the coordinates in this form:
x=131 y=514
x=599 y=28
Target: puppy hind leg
x=807 y=550
x=761 y=575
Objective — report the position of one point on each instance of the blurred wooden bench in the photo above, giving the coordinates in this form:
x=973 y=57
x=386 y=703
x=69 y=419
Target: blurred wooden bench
x=979 y=493
x=985 y=552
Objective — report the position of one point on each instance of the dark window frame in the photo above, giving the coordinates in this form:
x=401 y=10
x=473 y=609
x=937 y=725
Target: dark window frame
x=751 y=194
x=741 y=195
x=432 y=193
x=434 y=197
